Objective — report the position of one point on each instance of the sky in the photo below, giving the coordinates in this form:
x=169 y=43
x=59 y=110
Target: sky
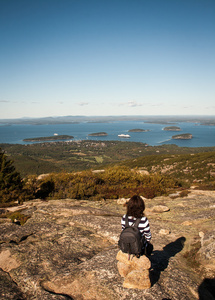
x=106 y=57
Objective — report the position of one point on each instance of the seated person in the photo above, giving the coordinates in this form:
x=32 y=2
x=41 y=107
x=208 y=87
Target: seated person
x=135 y=208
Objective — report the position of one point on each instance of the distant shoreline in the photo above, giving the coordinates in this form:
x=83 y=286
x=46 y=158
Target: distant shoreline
x=167 y=120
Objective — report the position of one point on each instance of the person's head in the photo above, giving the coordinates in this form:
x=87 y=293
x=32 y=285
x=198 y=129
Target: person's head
x=135 y=207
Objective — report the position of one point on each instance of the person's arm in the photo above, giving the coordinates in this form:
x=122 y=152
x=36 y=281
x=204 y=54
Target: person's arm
x=145 y=229
x=123 y=222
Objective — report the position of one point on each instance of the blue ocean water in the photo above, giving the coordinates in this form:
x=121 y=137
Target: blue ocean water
x=203 y=136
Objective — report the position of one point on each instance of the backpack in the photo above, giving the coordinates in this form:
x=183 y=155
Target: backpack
x=131 y=240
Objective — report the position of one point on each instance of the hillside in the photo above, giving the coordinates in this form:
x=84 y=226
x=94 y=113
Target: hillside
x=72 y=156
x=198 y=168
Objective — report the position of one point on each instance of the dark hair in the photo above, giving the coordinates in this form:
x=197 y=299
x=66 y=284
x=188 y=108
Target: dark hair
x=135 y=207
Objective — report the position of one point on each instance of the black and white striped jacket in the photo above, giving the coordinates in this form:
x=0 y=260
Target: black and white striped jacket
x=143 y=226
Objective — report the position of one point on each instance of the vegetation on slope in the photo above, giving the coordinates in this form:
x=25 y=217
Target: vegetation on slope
x=149 y=171
x=198 y=168
x=112 y=183
x=73 y=156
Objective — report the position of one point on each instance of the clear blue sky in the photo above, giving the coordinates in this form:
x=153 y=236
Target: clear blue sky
x=107 y=57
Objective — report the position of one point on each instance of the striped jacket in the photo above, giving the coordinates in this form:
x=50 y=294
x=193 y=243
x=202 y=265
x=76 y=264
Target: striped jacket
x=143 y=226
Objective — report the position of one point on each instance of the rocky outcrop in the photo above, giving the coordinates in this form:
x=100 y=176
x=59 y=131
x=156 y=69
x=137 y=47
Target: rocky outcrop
x=67 y=250
x=134 y=270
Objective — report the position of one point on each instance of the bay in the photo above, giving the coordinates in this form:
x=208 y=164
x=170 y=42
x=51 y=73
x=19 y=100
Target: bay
x=203 y=136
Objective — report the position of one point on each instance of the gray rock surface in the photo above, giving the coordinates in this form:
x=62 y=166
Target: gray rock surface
x=67 y=250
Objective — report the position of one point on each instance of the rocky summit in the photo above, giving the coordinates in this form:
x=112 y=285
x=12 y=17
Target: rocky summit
x=67 y=249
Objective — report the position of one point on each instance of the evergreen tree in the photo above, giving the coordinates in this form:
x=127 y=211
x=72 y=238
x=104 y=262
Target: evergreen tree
x=11 y=184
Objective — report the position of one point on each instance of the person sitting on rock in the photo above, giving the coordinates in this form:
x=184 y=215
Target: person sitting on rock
x=135 y=209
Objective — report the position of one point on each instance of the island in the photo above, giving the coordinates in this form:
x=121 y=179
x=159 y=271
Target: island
x=98 y=134
x=138 y=130
x=172 y=128
x=184 y=136
x=49 y=138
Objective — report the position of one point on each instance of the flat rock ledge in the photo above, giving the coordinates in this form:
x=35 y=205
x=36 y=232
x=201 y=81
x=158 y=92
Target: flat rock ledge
x=68 y=249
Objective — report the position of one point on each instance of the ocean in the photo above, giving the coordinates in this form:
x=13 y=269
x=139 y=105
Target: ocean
x=203 y=136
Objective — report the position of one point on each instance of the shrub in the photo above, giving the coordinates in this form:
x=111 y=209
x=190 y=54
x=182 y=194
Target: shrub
x=17 y=216
x=11 y=183
x=114 y=183
x=45 y=189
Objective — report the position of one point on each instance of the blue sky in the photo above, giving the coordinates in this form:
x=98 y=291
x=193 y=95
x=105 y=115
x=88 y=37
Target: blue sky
x=107 y=57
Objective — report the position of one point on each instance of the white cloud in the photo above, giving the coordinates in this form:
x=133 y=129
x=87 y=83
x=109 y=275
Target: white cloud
x=157 y=104
x=131 y=104
x=83 y=103
x=209 y=107
x=134 y=104
x=185 y=107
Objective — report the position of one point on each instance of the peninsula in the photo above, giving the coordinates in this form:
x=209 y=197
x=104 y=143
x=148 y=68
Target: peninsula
x=49 y=138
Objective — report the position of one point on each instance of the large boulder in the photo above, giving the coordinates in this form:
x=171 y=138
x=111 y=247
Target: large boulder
x=134 y=270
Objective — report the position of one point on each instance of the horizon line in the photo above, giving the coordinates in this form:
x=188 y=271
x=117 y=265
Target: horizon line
x=106 y=116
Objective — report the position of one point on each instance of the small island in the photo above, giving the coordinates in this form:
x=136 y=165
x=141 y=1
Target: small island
x=185 y=136
x=49 y=138
x=98 y=134
x=172 y=128
x=138 y=130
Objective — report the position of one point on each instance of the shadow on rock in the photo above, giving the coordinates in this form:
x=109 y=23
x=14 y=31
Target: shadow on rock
x=206 y=289
x=160 y=259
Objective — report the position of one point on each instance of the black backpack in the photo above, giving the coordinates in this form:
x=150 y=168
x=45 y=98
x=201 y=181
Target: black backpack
x=131 y=240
